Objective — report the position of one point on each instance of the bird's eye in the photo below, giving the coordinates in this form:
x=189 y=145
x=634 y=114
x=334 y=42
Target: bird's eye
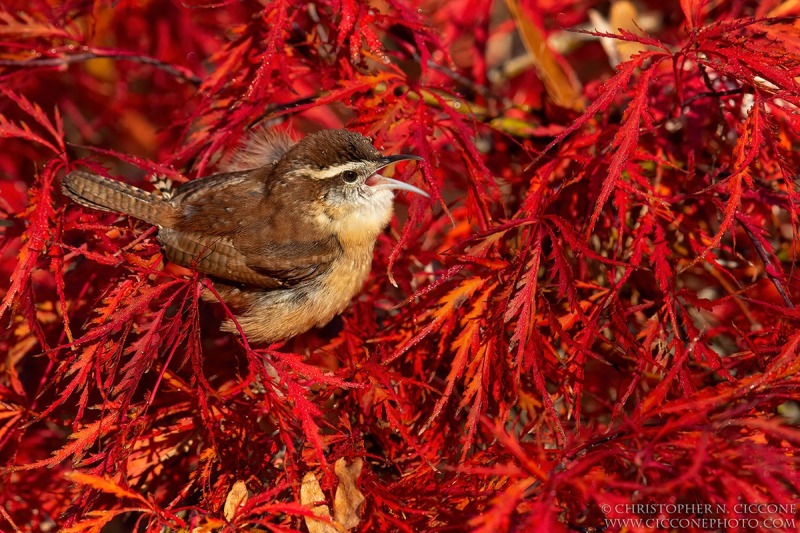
x=350 y=176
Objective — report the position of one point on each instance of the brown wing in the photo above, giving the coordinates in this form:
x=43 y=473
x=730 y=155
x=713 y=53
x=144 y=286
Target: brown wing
x=221 y=228
x=214 y=255
x=278 y=265
x=218 y=204
x=223 y=180
x=292 y=261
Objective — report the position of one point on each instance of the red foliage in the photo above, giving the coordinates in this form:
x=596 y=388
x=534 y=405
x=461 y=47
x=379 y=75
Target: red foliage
x=595 y=315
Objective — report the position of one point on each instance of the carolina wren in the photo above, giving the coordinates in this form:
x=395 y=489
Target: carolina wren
x=288 y=241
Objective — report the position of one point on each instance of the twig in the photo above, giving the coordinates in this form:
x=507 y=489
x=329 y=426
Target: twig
x=762 y=252
x=182 y=74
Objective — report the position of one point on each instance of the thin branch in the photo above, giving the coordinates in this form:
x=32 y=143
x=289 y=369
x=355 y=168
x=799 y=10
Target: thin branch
x=762 y=252
x=180 y=73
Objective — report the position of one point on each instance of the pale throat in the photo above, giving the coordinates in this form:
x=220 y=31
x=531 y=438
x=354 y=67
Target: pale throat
x=360 y=227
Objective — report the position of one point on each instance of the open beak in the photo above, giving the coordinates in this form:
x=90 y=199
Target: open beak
x=382 y=182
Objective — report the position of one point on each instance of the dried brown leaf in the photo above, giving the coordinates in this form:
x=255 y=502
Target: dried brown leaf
x=311 y=493
x=349 y=500
x=237 y=497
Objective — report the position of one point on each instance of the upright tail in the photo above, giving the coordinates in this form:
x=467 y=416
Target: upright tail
x=97 y=192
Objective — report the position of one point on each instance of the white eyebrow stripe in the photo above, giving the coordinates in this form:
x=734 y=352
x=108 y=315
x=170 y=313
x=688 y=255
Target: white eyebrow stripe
x=338 y=169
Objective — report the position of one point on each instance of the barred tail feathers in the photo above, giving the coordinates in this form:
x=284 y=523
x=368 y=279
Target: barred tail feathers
x=104 y=194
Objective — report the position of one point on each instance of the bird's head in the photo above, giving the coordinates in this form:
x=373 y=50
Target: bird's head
x=340 y=172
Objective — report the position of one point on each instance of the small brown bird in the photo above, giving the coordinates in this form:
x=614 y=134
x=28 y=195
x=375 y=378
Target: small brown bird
x=288 y=238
